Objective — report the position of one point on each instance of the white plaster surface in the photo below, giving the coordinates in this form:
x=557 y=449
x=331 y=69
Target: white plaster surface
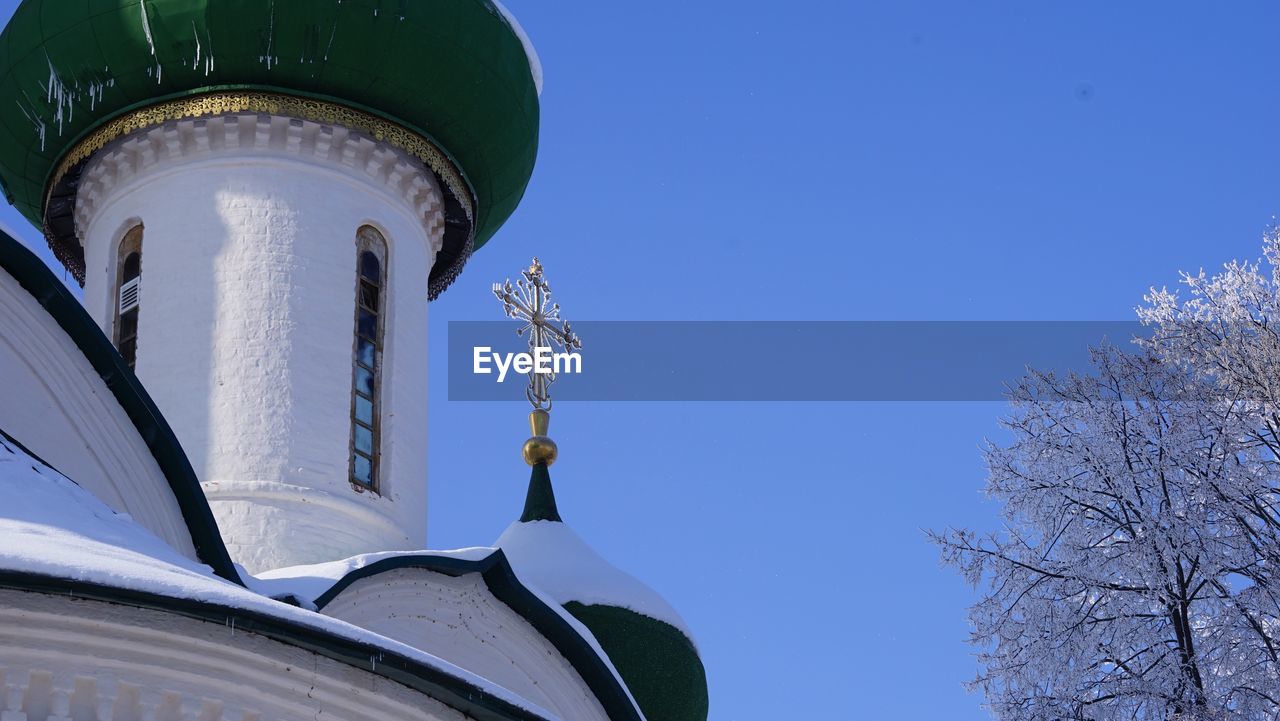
x=458 y=618
x=247 y=314
x=308 y=583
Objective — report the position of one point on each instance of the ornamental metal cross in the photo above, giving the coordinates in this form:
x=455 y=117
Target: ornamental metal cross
x=528 y=301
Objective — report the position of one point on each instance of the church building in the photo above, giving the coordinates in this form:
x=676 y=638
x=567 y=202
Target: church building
x=213 y=470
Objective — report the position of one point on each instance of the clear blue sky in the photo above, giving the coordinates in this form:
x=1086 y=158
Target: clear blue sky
x=842 y=160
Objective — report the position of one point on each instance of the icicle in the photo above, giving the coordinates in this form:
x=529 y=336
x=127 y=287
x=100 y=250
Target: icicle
x=269 y=59
x=146 y=26
x=196 y=32
x=332 y=33
x=57 y=95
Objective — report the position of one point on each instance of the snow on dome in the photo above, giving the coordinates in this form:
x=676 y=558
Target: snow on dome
x=535 y=64
x=549 y=556
x=50 y=526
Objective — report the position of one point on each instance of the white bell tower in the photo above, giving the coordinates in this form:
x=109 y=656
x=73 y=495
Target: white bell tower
x=278 y=302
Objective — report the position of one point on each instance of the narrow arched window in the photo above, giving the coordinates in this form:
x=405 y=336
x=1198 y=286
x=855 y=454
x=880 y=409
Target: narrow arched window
x=371 y=261
x=128 y=286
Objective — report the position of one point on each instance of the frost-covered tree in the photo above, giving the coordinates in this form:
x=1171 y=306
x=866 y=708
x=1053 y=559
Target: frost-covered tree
x=1227 y=331
x=1136 y=575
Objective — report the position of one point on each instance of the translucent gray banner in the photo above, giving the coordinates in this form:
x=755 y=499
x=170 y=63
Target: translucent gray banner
x=787 y=361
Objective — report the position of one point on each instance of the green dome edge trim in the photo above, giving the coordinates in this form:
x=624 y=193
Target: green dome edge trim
x=659 y=663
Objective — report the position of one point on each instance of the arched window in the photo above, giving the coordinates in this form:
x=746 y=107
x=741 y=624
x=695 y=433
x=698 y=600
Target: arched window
x=371 y=261
x=128 y=285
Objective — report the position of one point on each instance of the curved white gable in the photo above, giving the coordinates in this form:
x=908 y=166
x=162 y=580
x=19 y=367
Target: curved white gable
x=54 y=403
x=459 y=620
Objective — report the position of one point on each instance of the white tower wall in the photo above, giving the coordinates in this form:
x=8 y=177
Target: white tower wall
x=247 y=308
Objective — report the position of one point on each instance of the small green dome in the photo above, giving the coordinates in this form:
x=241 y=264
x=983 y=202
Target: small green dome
x=453 y=71
x=644 y=637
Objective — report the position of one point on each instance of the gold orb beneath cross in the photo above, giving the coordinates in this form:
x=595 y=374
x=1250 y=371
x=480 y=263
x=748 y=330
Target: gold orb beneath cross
x=540 y=449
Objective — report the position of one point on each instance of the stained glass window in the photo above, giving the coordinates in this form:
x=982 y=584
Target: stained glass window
x=367 y=358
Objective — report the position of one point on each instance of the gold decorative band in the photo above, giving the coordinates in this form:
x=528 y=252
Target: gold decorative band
x=230 y=103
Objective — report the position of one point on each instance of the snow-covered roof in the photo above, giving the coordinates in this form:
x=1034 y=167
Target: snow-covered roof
x=311 y=582
x=313 y=585
x=52 y=528
x=551 y=557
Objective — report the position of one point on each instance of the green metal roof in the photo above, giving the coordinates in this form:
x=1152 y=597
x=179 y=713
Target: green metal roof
x=453 y=71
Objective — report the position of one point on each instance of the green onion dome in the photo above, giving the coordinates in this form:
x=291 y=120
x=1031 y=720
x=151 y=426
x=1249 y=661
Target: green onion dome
x=645 y=639
x=453 y=82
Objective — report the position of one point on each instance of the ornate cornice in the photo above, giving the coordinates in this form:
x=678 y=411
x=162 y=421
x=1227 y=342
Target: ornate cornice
x=364 y=144
x=149 y=149
x=223 y=104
